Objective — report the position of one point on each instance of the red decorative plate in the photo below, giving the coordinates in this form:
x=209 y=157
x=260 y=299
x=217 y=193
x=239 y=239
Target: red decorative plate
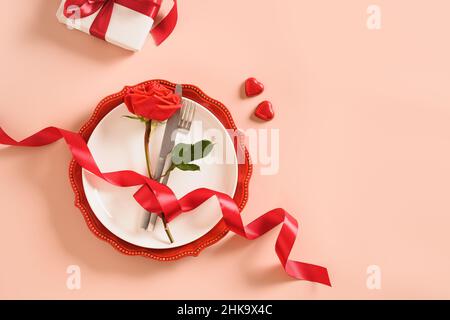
x=190 y=249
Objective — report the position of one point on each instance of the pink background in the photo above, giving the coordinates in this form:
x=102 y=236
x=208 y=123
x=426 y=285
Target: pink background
x=365 y=147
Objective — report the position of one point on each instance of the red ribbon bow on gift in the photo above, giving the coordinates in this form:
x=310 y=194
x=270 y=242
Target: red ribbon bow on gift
x=104 y=8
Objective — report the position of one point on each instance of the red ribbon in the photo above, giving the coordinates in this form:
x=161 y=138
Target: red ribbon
x=100 y=25
x=159 y=198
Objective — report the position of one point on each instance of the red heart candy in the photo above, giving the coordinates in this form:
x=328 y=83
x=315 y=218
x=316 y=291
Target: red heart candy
x=264 y=111
x=253 y=87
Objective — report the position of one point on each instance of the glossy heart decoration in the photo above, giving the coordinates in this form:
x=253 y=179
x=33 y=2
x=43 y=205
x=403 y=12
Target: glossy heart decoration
x=253 y=87
x=264 y=111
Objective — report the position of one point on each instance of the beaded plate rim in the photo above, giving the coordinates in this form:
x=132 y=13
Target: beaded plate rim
x=192 y=249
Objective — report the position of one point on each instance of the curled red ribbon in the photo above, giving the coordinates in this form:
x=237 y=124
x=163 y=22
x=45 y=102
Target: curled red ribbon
x=156 y=197
x=100 y=25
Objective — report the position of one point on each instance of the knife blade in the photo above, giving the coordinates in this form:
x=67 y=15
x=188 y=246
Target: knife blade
x=168 y=142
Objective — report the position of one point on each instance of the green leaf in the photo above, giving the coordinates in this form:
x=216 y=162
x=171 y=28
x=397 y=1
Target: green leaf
x=188 y=167
x=205 y=146
x=132 y=117
x=142 y=119
x=183 y=167
x=185 y=153
x=178 y=153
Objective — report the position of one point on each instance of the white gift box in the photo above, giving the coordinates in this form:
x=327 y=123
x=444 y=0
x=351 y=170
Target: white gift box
x=128 y=29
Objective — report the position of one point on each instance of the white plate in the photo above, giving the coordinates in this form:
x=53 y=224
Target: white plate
x=117 y=144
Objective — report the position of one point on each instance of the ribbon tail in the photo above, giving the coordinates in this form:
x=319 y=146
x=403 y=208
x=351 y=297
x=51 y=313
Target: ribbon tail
x=165 y=27
x=284 y=244
x=309 y=272
x=44 y=137
x=81 y=153
x=283 y=247
x=257 y=228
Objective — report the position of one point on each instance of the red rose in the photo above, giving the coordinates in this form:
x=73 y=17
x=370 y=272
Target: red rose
x=152 y=101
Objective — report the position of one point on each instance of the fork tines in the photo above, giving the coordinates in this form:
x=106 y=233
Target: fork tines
x=187 y=115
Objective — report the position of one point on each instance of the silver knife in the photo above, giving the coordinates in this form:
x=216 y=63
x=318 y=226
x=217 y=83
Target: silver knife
x=167 y=145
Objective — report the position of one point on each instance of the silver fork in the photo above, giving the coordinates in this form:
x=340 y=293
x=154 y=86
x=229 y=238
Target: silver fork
x=187 y=113
x=187 y=116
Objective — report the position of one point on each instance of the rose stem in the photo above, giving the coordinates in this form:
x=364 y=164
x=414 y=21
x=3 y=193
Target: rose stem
x=148 y=130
